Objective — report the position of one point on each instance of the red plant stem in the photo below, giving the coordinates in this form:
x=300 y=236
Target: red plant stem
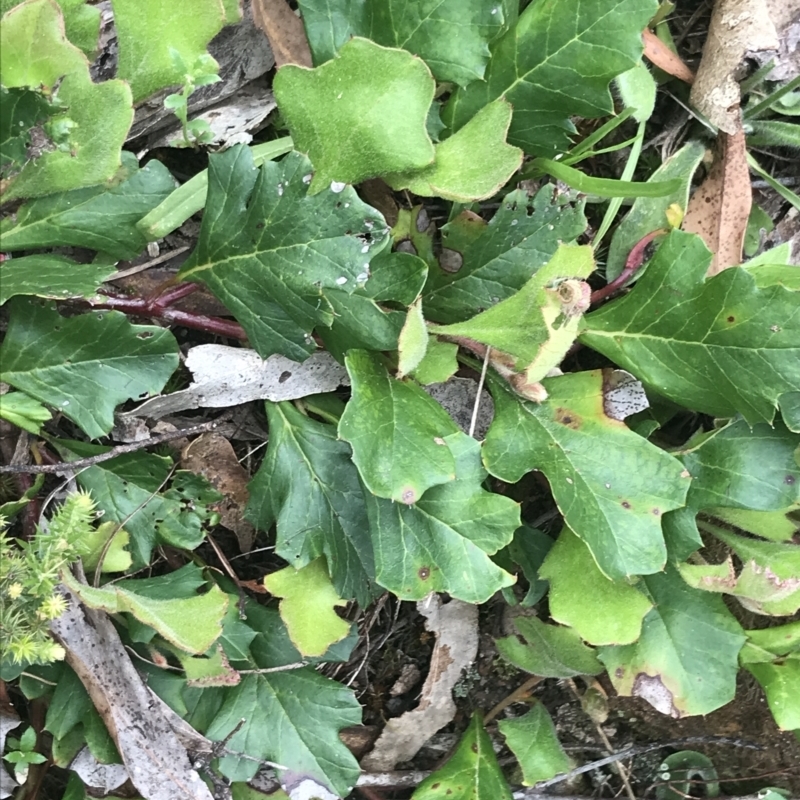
x=157 y=307
x=633 y=262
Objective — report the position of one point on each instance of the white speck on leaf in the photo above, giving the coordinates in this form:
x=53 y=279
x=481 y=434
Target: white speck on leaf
x=341 y=281
x=337 y=187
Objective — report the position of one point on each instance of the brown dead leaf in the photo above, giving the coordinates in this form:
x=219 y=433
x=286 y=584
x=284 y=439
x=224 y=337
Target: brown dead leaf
x=285 y=32
x=157 y=763
x=739 y=29
x=786 y=16
x=720 y=208
x=456 y=629
x=657 y=53
x=212 y=456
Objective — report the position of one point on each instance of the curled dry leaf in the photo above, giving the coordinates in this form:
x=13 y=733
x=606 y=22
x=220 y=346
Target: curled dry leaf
x=212 y=456
x=739 y=29
x=285 y=32
x=157 y=763
x=229 y=376
x=657 y=53
x=720 y=208
x=456 y=629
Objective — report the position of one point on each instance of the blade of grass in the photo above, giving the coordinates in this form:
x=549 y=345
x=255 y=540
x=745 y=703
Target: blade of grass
x=751 y=112
x=786 y=194
x=603 y=187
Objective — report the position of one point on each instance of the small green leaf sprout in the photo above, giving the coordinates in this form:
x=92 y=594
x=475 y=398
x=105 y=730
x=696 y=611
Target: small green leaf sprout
x=201 y=73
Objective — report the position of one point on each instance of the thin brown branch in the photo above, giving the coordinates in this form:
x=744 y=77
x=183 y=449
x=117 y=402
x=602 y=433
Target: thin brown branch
x=119 y=450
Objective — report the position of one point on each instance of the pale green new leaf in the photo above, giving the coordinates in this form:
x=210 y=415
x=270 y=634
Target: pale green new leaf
x=23 y=411
x=397 y=432
x=499 y=258
x=87 y=136
x=307 y=607
x=614 y=503
x=270 y=252
x=685 y=661
x=413 y=341
x=86 y=365
x=191 y=623
x=308 y=486
x=600 y=610
x=473 y=164
x=556 y=63
x=549 y=651
x=471 y=773
x=781 y=683
x=360 y=115
x=442 y=543
x=534 y=741
x=151 y=31
x=539 y=323
x=719 y=346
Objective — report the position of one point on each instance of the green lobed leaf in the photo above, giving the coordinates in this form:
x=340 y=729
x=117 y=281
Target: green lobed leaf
x=307 y=606
x=22 y=114
x=534 y=741
x=362 y=320
x=271 y=253
x=556 y=63
x=650 y=213
x=473 y=164
x=397 y=432
x=98 y=217
x=499 y=258
x=129 y=491
x=190 y=197
x=549 y=651
x=82 y=144
x=300 y=713
x=613 y=504
x=603 y=612
x=685 y=661
x=471 y=773
x=84 y=366
x=190 y=623
x=451 y=36
x=719 y=346
x=51 y=276
x=360 y=115
x=743 y=466
x=308 y=485
x=150 y=32
x=442 y=543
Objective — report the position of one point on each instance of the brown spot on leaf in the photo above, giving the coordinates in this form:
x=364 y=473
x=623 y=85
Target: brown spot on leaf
x=626 y=504
x=790 y=480
x=619 y=672
x=409 y=496
x=424 y=573
x=651 y=688
x=731 y=318
x=284 y=377
x=569 y=418
x=474 y=747
x=657 y=512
